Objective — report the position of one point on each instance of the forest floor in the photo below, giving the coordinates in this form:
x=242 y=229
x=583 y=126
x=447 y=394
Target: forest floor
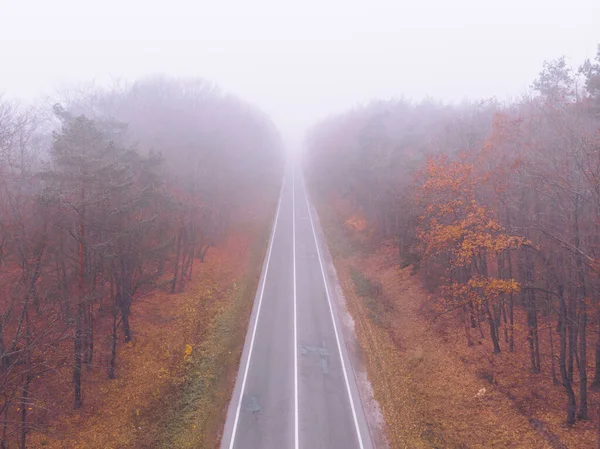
x=433 y=390
x=175 y=379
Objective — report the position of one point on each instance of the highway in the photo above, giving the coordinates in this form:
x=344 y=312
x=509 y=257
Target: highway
x=296 y=386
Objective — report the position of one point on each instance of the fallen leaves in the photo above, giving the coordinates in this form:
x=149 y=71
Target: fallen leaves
x=426 y=379
x=176 y=335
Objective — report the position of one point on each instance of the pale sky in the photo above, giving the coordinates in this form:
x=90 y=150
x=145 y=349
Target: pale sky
x=298 y=61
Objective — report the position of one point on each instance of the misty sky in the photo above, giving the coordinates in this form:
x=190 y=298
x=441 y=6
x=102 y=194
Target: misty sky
x=298 y=61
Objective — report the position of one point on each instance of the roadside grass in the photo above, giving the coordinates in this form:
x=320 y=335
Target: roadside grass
x=370 y=292
x=429 y=384
x=195 y=418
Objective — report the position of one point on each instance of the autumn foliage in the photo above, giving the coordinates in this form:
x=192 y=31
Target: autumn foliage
x=465 y=242
x=496 y=206
x=97 y=214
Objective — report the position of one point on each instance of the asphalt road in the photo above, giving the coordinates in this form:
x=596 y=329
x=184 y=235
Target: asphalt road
x=295 y=387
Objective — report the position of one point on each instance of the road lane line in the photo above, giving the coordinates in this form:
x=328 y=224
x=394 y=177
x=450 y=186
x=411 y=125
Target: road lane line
x=262 y=291
x=337 y=338
x=296 y=439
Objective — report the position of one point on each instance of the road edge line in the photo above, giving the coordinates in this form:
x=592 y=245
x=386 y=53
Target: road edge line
x=296 y=410
x=337 y=337
x=262 y=291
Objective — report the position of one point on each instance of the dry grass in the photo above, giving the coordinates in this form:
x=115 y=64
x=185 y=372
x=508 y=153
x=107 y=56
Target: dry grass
x=428 y=381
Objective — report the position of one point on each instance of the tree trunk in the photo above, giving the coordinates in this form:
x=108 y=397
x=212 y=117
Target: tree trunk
x=472 y=318
x=182 y=275
x=493 y=329
x=78 y=355
x=3 y=356
x=511 y=298
x=505 y=321
x=24 y=404
x=531 y=306
x=113 y=349
x=598 y=427
x=552 y=360
x=126 y=326
x=582 y=322
x=190 y=260
x=511 y=323
x=481 y=334
x=537 y=342
x=492 y=313
x=502 y=300
x=78 y=346
x=5 y=425
x=124 y=298
x=203 y=250
x=583 y=403
x=596 y=383
x=191 y=267
x=465 y=319
x=572 y=332
x=562 y=361
x=177 y=256
x=89 y=336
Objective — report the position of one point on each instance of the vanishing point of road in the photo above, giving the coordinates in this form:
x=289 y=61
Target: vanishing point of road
x=296 y=387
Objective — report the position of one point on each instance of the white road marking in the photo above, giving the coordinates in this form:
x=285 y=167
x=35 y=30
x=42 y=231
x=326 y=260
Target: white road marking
x=337 y=338
x=296 y=439
x=262 y=291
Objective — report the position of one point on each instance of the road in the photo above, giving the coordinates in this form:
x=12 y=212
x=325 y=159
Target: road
x=295 y=387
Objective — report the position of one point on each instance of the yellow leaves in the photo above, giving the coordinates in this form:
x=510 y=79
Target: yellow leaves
x=467 y=238
x=188 y=351
x=479 y=288
x=454 y=221
x=493 y=287
x=444 y=177
x=356 y=223
x=460 y=230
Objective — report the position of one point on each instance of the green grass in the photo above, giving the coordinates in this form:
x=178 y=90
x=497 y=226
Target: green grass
x=371 y=293
x=194 y=416
x=364 y=286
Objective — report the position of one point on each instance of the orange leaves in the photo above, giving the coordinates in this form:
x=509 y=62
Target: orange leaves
x=493 y=287
x=463 y=228
x=447 y=181
x=356 y=223
x=480 y=288
x=467 y=238
x=461 y=234
x=482 y=235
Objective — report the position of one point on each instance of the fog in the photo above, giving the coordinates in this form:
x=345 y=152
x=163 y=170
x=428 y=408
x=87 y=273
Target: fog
x=297 y=61
x=142 y=155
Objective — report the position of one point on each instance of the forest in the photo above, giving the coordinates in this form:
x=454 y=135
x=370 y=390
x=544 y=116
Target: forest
x=109 y=195
x=496 y=207
x=106 y=196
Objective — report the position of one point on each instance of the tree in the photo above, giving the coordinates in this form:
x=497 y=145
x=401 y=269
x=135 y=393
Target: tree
x=555 y=82
x=591 y=72
x=497 y=207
